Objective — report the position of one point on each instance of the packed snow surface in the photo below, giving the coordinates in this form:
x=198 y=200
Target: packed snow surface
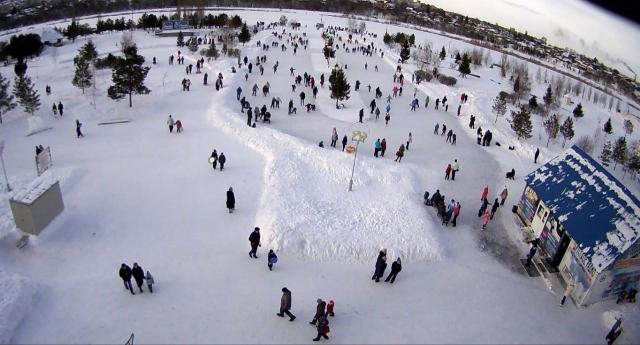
x=17 y=298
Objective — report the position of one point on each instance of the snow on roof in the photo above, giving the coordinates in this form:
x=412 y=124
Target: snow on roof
x=49 y=35
x=599 y=213
x=32 y=191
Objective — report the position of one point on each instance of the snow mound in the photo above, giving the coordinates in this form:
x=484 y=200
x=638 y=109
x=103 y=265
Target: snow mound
x=36 y=124
x=16 y=301
x=307 y=211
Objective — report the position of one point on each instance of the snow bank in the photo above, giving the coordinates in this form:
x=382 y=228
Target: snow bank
x=300 y=214
x=16 y=300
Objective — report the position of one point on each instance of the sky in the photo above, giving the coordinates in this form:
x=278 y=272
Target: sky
x=565 y=23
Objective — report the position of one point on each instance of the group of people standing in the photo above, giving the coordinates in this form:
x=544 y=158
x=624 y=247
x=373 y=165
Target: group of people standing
x=126 y=273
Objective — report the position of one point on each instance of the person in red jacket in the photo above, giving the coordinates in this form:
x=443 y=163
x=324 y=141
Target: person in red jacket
x=447 y=172
x=178 y=126
x=330 y=306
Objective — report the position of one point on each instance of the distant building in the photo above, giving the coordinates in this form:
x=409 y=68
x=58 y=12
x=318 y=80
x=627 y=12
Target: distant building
x=587 y=223
x=175 y=25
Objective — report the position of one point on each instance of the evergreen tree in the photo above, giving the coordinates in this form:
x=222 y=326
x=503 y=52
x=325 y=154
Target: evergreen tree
x=577 y=111
x=412 y=39
x=180 y=41
x=548 y=98
x=607 y=127
x=516 y=85
x=521 y=123
x=533 y=103
x=6 y=99
x=244 y=35
x=464 y=67
x=212 y=51
x=404 y=52
x=128 y=75
x=340 y=89
x=88 y=51
x=83 y=76
x=633 y=163
x=443 y=54
x=499 y=105
x=458 y=57
x=387 y=39
x=552 y=127
x=567 y=130
x=628 y=127
x=27 y=97
x=605 y=156
x=619 y=154
x=193 y=44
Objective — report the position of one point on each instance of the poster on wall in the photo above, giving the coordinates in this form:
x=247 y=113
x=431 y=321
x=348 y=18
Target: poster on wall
x=528 y=203
x=620 y=281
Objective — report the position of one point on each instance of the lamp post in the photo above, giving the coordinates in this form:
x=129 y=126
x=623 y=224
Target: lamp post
x=358 y=137
x=3 y=169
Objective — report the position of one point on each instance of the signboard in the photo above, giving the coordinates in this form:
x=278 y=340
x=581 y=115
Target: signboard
x=585 y=264
x=620 y=264
x=528 y=203
x=175 y=25
x=43 y=161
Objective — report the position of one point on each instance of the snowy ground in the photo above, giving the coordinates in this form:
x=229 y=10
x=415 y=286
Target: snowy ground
x=134 y=192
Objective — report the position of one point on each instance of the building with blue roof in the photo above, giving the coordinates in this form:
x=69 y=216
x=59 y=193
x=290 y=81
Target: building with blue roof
x=587 y=223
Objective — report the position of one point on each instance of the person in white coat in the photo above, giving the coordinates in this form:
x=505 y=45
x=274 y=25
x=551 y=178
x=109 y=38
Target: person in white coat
x=170 y=123
x=454 y=169
x=150 y=281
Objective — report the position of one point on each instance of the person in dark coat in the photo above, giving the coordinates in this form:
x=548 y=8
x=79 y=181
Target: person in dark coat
x=214 y=159
x=222 y=159
x=381 y=265
x=323 y=328
x=344 y=142
x=231 y=200
x=535 y=156
x=60 y=108
x=360 y=115
x=285 y=304
x=615 y=331
x=138 y=275
x=320 y=311
x=125 y=274
x=396 y=267
x=383 y=146
x=254 y=241
x=494 y=208
x=271 y=259
x=78 y=131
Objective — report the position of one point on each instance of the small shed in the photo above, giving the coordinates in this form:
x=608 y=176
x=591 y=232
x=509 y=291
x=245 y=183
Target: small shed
x=37 y=204
x=587 y=223
x=51 y=37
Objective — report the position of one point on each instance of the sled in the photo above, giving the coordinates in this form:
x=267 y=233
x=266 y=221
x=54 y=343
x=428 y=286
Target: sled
x=111 y=122
x=39 y=131
x=350 y=149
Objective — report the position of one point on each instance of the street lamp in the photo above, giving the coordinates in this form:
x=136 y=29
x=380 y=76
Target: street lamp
x=358 y=137
x=3 y=169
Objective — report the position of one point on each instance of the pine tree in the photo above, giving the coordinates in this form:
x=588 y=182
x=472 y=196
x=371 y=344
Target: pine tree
x=128 y=75
x=552 y=127
x=340 y=89
x=180 y=41
x=628 y=127
x=6 y=99
x=605 y=156
x=27 y=97
x=443 y=54
x=577 y=111
x=464 y=67
x=404 y=52
x=212 y=51
x=83 y=76
x=619 y=154
x=548 y=98
x=244 y=35
x=567 y=130
x=533 y=103
x=521 y=123
x=88 y=51
x=458 y=57
x=499 y=105
x=607 y=127
x=387 y=39
x=193 y=44
x=633 y=163
x=516 y=85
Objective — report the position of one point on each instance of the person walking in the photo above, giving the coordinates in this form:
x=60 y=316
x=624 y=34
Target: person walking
x=334 y=137
x=214 y=159
x=485 y=193
x=532 y=253
x=387 y=117
x=344 y=142
x=138 y=275
x=285 y=304
x=447 y=172
x=436 y=128
x=78 y=131
x=409 y=140
x=271 y=259
x=494 y=208
x=60 y=108
x=400 y=153
x=615 y=331
x=485 y=218
x=396 y=267
x=322 y=327
x=381 y=265
x=360 y=115
x=567 y=291
x=383 y=146
x=535 y=156
x=377 y=147
x=254 y=241
x=222 y=159
x=125 y=274
x=150 y=281
x=330 y=307
x=454 y=169
x=170 y=123
x=231 y=200
x=456 y=212
x=503 y=195
x=320 y=311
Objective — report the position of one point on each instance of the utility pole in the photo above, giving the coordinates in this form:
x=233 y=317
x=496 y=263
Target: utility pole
x=3 y=169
